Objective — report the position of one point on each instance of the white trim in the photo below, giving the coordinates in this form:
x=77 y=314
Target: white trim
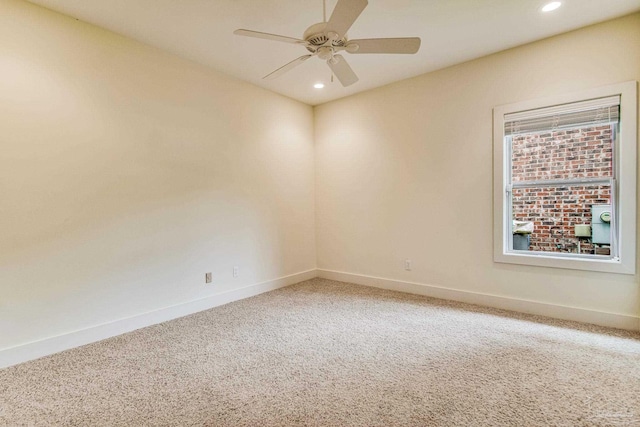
x=612 y=320
x=34 y=350
x=626 y=172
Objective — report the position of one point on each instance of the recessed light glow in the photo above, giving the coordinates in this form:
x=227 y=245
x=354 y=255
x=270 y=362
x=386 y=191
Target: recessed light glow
x=318 y=85
x=551 y=6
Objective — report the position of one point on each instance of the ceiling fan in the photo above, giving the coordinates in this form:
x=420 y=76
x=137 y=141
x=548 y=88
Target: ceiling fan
x=326 y=39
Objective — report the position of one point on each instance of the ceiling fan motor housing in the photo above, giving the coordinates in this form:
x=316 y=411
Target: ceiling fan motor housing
x=316 y=37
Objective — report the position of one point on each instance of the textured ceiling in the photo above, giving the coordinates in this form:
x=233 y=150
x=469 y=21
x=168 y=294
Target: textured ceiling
x=452 y=31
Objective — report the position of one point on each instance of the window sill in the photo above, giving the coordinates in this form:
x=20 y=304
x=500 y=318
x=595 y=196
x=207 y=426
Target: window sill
x=608 y=265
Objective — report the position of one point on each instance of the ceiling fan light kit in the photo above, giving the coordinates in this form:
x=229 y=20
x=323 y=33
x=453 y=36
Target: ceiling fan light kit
x=327 y=39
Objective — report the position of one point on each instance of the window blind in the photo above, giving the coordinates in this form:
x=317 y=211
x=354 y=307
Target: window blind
x=594 y=112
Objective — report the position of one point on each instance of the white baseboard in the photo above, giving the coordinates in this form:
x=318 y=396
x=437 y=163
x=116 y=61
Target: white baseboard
x=34 y=350
x=612 y=320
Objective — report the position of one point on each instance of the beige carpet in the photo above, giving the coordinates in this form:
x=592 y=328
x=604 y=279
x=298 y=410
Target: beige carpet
x=333 y=354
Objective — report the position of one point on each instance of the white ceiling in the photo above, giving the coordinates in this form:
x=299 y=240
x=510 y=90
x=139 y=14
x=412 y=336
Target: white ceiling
x=452 y=31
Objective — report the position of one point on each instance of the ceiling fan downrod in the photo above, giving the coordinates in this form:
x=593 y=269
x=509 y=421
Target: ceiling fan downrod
x=324 y=10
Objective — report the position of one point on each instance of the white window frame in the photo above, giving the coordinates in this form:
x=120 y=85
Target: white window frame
x=625 y=184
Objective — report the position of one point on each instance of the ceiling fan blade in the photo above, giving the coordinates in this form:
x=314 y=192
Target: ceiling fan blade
x=344 y=15
x=343 y=71
x=280 y=71
x=397 y=45
x=275 y=37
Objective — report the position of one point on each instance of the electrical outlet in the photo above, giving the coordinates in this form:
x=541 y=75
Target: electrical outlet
x=207 y=278
x=407 y=264
x=236 y=271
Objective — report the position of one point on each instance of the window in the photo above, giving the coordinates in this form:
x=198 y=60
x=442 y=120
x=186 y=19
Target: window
x=565 y=181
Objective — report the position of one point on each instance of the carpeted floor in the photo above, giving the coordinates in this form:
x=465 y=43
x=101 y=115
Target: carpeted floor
x=333 y=354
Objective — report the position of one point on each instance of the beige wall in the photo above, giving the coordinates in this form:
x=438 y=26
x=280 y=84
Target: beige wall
x=127 y=173
x=405 y=171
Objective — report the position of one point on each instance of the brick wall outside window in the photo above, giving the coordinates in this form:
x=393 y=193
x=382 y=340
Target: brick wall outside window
x=554 y=210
